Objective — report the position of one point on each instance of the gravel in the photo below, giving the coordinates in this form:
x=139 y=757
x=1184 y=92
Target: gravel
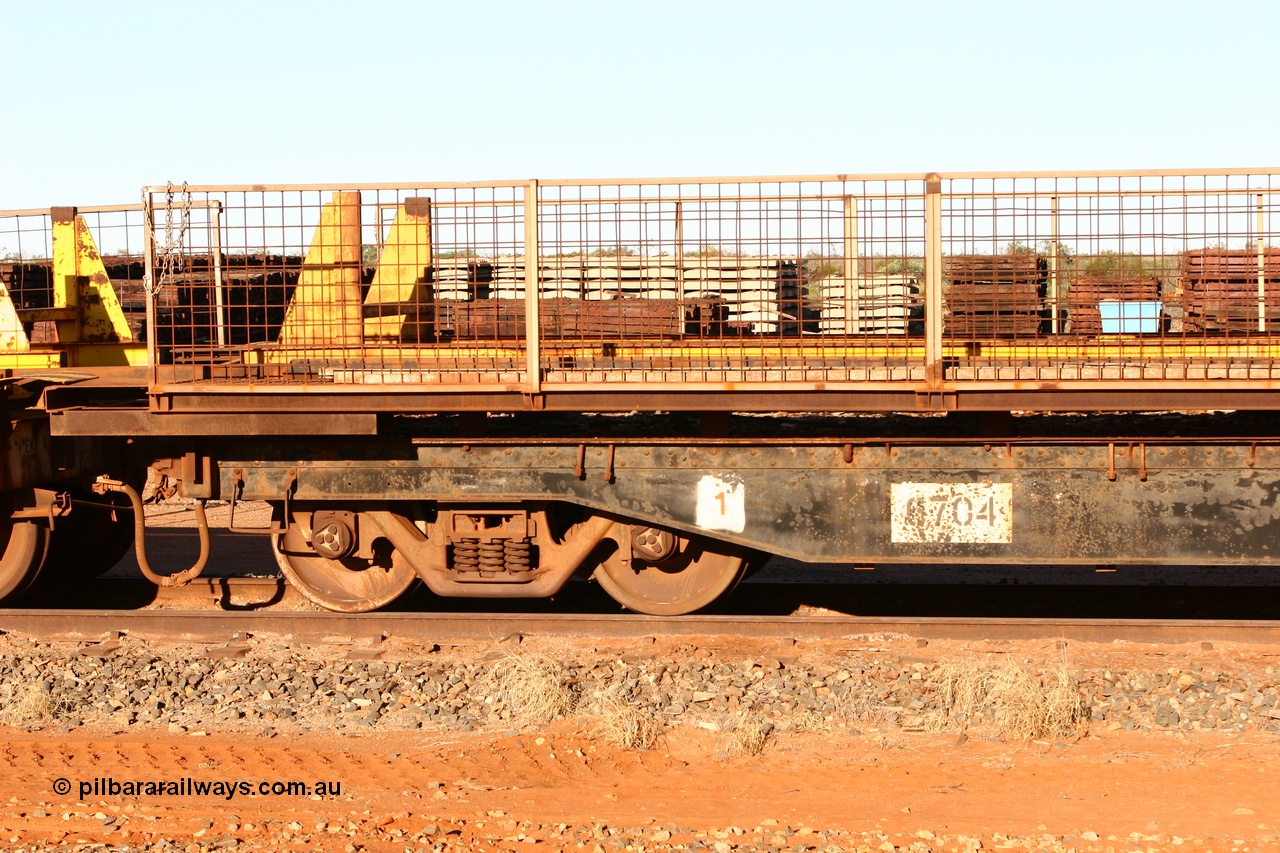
x=296 y=688
x=493 y=831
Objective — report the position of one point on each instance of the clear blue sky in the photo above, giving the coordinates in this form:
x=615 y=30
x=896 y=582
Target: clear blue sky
x=102 y=98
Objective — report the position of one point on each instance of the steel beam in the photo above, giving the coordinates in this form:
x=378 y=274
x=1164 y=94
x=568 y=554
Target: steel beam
x=409 y=399
x=1082 y=502
x=101 y=421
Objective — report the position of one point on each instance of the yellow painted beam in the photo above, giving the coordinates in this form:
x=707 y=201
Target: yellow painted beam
x=31 y=360
x=391 y=355
x=400 y=305
x=326 y=309
x=130 y=354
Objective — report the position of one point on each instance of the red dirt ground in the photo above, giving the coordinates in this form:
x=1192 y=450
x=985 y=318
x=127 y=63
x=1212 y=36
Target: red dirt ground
x=1203 y=785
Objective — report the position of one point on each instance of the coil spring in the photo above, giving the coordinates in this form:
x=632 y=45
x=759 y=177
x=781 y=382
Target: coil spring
x=519 y=555
x=491 y=559
x=466 y=555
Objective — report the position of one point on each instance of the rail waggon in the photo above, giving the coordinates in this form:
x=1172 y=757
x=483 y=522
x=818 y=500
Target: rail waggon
x=494 y=388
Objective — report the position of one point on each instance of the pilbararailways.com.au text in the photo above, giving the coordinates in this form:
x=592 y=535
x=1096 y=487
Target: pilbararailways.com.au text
x=107 y=786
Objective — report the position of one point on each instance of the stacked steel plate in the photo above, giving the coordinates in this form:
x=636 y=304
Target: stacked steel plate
x=725 y=294
x=994 y=295
x=1221 y=291
x=492 y=319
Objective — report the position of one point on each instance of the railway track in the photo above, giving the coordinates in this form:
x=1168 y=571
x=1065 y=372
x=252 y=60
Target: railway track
x=215 y=610
x=904 y=593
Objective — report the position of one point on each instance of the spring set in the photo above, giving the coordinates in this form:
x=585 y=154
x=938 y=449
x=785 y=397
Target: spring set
x=517 y=555
x=466 y=555
x=491 y=559
x=493 y=555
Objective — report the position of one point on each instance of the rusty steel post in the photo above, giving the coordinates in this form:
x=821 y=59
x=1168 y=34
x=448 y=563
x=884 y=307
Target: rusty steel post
x=1260 y=244
x=933 y=279
x=852 y=316
x=532 y=332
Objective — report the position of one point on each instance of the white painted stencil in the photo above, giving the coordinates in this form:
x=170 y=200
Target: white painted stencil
x=722 y=505
x=952 y=512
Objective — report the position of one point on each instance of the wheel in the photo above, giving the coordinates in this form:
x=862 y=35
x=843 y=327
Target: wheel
x=88 y=542
x=25 y=545
x=683 y=575
x=348 y=584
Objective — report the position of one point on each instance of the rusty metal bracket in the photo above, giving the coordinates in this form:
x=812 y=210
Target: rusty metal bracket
x=1142 y=460
x=48 y=505
x=847 y=454
x=608 y=468
x=580 y=470
x=937 y=401
x=273 y=529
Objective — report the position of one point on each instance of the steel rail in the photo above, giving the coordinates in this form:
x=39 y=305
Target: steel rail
x=448 y=628
x=101 y=208
x=851 y=177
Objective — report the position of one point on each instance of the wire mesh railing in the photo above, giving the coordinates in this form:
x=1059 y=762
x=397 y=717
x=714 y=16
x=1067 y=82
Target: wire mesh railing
x=707 y=282
x=1126 y=276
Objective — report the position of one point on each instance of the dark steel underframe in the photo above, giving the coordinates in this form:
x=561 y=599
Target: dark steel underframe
x=1206 y=501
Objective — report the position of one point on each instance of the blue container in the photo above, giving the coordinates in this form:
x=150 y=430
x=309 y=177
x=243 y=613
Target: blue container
x=1130 y=318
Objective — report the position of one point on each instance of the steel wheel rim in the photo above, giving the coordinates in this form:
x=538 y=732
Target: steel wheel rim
x=350 y=585
x=25 y=546
x=87 y=542
x=685 y=583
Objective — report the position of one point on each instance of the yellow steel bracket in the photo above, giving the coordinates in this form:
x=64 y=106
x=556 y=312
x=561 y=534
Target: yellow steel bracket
x=90 y=322
x=85 y=306
x=326 y=308
x=400 y=305
x=13 y=338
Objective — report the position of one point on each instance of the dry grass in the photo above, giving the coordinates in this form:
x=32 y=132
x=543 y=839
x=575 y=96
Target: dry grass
x=936 y=723
x=748 y=732
x=534 y=688
x=1020 y=704
x=859 y=708
x=28 y=706
x=621 y=725
x=806 y=721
